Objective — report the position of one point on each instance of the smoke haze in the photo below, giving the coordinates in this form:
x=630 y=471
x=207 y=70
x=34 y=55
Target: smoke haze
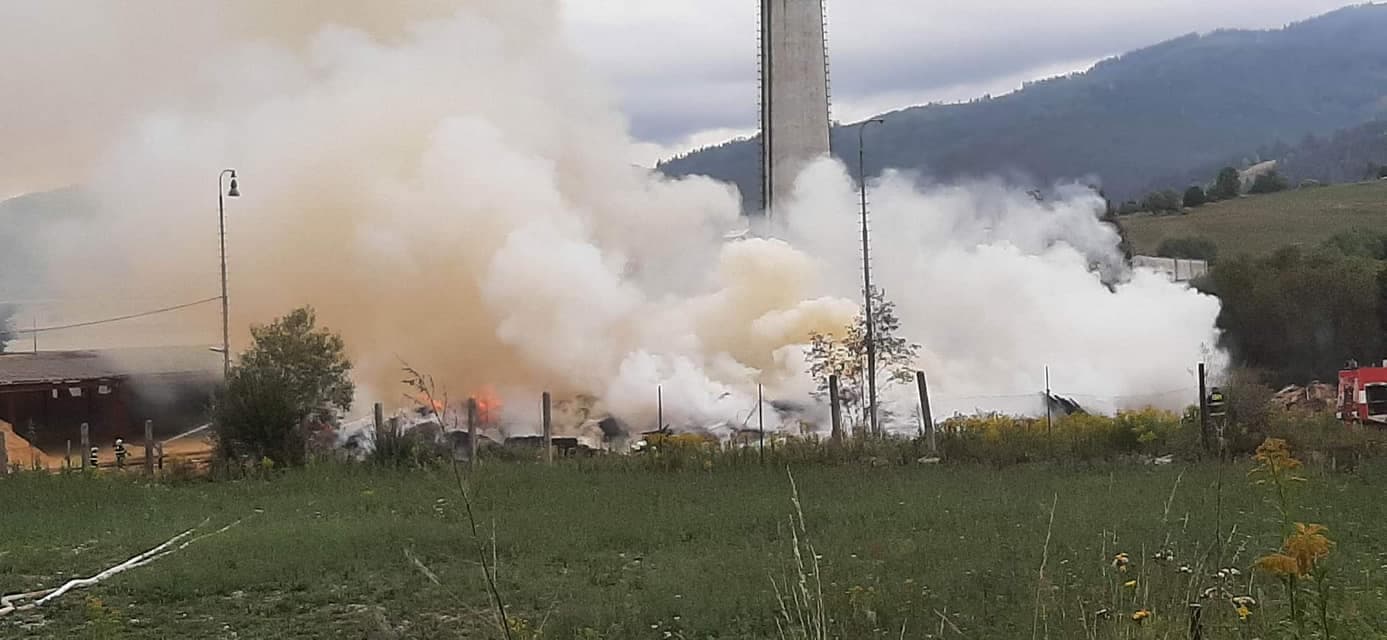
x=448 y=185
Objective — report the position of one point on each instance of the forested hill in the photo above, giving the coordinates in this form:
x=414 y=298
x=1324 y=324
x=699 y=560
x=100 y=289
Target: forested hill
x=1136 y=120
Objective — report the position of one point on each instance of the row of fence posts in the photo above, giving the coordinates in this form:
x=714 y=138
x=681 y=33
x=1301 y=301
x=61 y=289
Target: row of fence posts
x=153 y=451
x=836 y=435
x=546 y=416
x=472 y=425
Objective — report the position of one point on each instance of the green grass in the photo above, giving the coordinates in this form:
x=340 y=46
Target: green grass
x=1258 y=225
x=622 y=553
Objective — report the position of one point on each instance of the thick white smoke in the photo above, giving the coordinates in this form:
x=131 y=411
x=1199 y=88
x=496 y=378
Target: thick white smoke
x=447 y=184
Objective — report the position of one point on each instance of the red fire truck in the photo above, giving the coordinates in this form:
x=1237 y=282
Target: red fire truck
x=1363 y=394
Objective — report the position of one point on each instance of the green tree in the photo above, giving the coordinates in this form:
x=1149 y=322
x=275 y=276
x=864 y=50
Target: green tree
x=294 y=372
x=846 y=356
x=1226 y=186
x=1188 y=248
x=312 y=359
x=1382 y=303
x=1162 y=201
x=1299 y=316
x=1194 y=197
x=1269 y=182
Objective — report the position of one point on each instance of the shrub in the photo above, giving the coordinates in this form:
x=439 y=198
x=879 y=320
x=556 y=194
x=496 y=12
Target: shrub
x=257 y=418
x=1005 y=440
x=1269 y=182
x=1194 y=197
x=1188 y=248
x=292 y=373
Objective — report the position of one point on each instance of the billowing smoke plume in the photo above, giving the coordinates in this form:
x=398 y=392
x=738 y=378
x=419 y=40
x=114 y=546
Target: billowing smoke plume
x=447 y=184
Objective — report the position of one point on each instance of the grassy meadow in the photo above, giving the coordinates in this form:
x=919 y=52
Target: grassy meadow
x=1259 y=225
x=587 y=550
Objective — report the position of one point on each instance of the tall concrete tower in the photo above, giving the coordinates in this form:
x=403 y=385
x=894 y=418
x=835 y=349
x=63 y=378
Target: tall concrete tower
x=794 y=94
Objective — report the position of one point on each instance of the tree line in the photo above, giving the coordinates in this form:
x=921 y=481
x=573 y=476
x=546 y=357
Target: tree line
x=1227 y=185
x=1299 y=315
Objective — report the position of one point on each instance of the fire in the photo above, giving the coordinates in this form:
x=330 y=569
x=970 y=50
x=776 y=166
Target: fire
x=488 y=404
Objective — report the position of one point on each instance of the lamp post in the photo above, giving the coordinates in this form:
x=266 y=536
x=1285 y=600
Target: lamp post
x=232 y=192
x=867 y=279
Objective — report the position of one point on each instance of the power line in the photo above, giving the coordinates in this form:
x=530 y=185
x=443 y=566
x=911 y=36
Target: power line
x=142 y=314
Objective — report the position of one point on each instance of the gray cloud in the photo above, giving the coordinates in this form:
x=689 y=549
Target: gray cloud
x=682 y=67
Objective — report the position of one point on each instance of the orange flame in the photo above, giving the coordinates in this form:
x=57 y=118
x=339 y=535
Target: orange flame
x=488 y=404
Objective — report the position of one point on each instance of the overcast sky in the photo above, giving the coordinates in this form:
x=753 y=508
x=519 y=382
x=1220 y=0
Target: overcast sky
x=685 y=70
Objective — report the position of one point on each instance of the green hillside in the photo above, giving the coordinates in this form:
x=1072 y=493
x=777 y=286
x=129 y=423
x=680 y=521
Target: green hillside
x=1258 y=225
x=1143 y=119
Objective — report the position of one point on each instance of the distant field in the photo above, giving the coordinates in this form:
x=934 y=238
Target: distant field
x=913 y=552
x=1258 y=225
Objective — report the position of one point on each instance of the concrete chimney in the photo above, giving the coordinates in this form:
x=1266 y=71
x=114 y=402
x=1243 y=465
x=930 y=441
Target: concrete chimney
x=794 y=94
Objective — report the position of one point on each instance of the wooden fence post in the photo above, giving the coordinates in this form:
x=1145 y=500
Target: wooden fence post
x=4 y=458
x=67 y=457
x=835 y=406
x=1204 y=436
x=149 y=447
x=925 y=415
x=86 y=446
x=548 y=430
x=472 y=433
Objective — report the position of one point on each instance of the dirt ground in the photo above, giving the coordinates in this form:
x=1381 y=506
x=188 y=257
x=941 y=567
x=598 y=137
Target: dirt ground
x=21 y=453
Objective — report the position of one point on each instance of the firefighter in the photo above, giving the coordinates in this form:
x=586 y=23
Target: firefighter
x=120 y=453
x=1218 y=403
x=92 y=460
x=1218 y=409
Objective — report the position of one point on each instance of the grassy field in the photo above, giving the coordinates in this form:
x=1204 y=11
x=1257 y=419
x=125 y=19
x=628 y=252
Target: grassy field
x=1257 y=225
x=915 y=552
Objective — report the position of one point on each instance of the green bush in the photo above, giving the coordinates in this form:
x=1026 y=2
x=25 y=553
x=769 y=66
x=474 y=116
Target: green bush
x=1269 y=182
x=257 y=418
x=1189 y=248
x=1005 y=440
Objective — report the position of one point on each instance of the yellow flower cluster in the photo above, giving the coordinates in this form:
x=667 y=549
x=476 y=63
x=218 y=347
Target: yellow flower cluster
x=1140 y=615
x=1301 y=552
x=1274 y=456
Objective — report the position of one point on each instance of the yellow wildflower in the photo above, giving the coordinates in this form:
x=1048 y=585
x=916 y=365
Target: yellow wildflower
x=1308 y=545
x=1141 y=615
x=1274 y=456
x=1243 y=613
x=1120 y=561
x=1279 y=564
x=1130 y=584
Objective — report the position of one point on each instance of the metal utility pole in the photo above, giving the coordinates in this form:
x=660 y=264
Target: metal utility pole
x=867 y=279
x=232 y=192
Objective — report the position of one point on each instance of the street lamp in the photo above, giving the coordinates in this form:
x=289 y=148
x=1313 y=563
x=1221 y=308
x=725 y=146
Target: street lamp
x=232 y=192
x=867 y=279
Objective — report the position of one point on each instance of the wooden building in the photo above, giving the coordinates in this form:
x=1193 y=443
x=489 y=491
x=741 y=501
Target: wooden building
x=52 y=393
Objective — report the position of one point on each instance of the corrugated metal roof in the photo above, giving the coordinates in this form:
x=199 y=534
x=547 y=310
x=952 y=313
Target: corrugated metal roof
x=62 y=366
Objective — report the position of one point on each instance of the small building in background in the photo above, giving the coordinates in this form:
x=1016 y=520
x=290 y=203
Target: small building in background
x=1177 y=269
x=113 y=391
